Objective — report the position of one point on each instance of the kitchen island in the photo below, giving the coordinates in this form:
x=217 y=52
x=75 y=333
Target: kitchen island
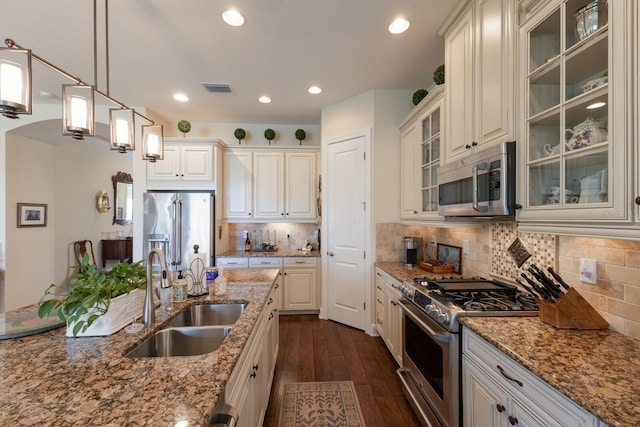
x=48 y=379
x=597 y=369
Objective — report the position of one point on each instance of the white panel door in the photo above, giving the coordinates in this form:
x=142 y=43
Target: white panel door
x=346 y=231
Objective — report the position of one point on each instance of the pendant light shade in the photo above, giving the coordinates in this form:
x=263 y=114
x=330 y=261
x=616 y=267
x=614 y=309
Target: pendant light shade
x=122 y=123
x=15 y=82
x=77 y=111
x=152 y=143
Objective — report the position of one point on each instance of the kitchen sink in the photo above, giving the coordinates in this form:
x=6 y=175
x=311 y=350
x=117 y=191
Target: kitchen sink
x=189 y=341
x=208 y=315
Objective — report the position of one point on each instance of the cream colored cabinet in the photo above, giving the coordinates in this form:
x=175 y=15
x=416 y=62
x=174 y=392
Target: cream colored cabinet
x=479 y=72
x=388 y=313
x=300 y=284
x=187 y=165
x=238 y=188
x=421 y=143
x=268 y=185
x=497 y=391
x=574 y=144
x=249 y=385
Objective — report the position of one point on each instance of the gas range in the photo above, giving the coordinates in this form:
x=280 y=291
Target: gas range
x=446 y=300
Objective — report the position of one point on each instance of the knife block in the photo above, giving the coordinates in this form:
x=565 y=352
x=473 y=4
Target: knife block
x=571 y=311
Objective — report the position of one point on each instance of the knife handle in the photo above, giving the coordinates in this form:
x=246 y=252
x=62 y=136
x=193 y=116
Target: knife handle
x=558 y=278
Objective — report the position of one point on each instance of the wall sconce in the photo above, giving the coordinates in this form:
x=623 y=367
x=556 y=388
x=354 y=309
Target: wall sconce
x=152 y=143
x=77 y=111
x=15 y=82
x=122 y=123
x=102 y=201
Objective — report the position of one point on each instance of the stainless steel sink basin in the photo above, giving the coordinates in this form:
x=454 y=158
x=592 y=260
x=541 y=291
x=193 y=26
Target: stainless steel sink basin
x=208 y=314
x=189 y=341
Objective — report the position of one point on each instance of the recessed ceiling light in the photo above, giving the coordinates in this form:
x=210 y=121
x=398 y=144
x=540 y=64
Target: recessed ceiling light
x=596 y=105
x=180 y=97
x=314 y=90
x=399 y=25
x=264 y=99
x=233 y=17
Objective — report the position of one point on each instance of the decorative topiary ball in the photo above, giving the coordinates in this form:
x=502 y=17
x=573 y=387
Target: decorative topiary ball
x=301 y=135
x=269 y=134
x=184 y=126
x=239 y=134
x=419 y=96
x=438 y=75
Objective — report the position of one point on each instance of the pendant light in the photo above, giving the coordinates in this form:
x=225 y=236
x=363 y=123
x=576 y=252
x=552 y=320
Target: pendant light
x=15 y=82
x=152 y=143
x=77 y=111
x=122 y=123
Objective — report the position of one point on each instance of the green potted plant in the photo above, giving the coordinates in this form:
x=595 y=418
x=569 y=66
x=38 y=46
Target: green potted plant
x=300 y=135
x=92 y=292
x=239 y=134
x=438 y=75
x=419 y=96
x=184 y=126
x=269 y=134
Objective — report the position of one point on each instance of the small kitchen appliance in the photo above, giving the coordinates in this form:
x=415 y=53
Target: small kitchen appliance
x=431 y=310
x=413 y=246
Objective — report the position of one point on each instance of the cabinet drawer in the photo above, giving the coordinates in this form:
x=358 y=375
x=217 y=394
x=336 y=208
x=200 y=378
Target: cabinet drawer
x=233 y=262
x=265 y=262
x=300 y=261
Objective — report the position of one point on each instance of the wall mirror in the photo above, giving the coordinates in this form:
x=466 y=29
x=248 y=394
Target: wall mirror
x=123 y=198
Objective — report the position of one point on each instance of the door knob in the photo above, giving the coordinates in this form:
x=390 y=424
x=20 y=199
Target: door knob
x=330 y=253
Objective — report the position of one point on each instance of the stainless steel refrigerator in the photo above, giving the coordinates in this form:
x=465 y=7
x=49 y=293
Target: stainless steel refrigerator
x=176 y=222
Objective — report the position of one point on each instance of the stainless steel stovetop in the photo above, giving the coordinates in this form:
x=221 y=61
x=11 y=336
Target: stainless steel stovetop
x=447 y=300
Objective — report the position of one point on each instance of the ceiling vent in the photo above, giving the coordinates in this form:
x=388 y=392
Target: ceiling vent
x=217 y=87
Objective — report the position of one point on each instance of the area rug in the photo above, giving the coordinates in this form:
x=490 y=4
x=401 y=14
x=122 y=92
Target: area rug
x=321 y=404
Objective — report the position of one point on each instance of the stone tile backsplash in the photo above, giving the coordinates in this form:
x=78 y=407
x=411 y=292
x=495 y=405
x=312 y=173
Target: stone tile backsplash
x=299 y=233
x=617 y=292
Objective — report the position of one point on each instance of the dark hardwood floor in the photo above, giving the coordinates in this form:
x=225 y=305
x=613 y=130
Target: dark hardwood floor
x=322 y=350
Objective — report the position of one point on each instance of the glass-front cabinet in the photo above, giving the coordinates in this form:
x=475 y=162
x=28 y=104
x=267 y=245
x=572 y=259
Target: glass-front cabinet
x=574 y=144
x=421 y=145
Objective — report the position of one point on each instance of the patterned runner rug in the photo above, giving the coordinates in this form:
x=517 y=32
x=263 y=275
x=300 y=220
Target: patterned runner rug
x=321 y=404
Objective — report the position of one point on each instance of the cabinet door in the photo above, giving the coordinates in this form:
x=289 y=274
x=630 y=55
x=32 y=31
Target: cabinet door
x=494 y=63
x=485 y=402
x=300 y=186
x=380 y=304
x=167 y=169
x=429 y=157
x=408 y=174
x=459 y=91
x=268 y=185
x=238 y=185
x=196 y=163
x=394 y=323
x=300 y=289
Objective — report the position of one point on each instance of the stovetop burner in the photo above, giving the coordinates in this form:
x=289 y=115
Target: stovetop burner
x=449 y=298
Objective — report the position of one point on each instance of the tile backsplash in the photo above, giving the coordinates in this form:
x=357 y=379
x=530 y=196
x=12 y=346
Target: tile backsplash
x=299 y=233
x=616 y=295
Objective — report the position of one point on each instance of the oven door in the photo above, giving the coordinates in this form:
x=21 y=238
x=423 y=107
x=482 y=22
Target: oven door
x=431 y=361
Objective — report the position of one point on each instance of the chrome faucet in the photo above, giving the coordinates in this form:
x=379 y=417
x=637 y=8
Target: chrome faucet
x=149 y=309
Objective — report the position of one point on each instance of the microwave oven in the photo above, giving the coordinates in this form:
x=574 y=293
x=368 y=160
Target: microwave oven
x=480 y=185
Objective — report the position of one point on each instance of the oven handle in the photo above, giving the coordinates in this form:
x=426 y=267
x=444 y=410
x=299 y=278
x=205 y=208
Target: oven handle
x=442 y=337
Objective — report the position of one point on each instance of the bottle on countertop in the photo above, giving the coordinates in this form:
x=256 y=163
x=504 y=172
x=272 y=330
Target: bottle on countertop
x=247 y=243
x=179 y=288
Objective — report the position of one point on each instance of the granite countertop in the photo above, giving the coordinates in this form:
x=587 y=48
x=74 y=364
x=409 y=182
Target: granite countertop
x=50 y=379
x=597 y=369
x=278 y=253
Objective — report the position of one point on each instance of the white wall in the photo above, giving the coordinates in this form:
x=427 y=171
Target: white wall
x=66 y=176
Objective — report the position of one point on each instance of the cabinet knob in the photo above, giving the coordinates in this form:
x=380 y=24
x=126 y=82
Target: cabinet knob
x=282 y=213
x=415 y=212
x=473 y=144
x=270 y=316
x=637 y=200
x=287 y=213
x=513 y=420
x=500 y=407
x=467 y=146
x=330 y=253
x=252 y=375
x=255 y=367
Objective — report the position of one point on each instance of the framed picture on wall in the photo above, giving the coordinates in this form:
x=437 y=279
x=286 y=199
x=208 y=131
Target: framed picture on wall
x=450 y=255
x=32 y=215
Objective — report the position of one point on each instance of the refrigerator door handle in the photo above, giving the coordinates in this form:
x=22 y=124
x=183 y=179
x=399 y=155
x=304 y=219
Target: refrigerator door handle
x=178 y=232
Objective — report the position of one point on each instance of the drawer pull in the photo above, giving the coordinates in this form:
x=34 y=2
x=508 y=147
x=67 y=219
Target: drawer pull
x=232 y=263
x=300 y=262
x=513 y=420
x=508 y=377
x=500 y=407
x=265 y=262
x=270 y=316
x=270 y=301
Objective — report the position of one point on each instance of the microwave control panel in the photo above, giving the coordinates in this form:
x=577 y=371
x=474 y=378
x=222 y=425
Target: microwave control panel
x=494 y=180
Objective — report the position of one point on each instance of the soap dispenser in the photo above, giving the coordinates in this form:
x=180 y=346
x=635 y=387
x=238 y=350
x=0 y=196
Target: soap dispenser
x=179 y=288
